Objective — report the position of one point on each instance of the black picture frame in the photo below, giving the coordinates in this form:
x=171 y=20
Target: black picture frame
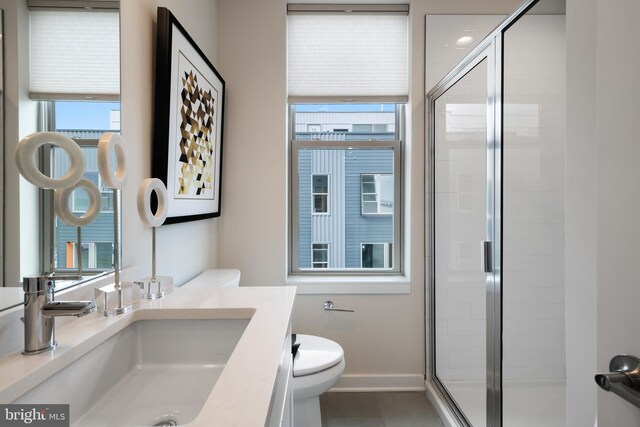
x=188 y=124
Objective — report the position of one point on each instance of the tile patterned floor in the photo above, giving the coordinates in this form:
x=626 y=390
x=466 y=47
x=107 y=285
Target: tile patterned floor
x=390 y=409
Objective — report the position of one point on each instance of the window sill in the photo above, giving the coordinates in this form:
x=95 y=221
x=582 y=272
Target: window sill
x=318 y=285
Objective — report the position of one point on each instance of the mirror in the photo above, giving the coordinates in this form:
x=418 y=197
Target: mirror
x=37 y=38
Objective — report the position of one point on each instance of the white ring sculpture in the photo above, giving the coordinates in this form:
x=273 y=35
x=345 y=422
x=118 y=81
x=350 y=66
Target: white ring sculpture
x=63 y=210
x=112 y=177
x=28 y=168
x=148 y=186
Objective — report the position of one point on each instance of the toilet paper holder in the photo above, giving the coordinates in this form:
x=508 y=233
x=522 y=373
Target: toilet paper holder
x=328 y=306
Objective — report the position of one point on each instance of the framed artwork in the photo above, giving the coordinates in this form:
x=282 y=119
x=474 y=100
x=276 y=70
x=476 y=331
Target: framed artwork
x=187 y=146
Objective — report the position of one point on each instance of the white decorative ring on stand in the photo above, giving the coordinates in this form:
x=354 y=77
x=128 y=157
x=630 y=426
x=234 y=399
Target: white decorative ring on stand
x=28 y=168
x=144 y=209
x=112 y=177
x=62 y=204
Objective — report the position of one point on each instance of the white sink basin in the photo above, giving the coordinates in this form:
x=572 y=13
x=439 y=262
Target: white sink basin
x=150 y=373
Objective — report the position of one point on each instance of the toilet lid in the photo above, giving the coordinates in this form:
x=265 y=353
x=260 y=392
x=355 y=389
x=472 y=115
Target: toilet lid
x=315 y=354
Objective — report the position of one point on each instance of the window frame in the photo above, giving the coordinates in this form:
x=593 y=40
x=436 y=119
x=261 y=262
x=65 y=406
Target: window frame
x=398 y=211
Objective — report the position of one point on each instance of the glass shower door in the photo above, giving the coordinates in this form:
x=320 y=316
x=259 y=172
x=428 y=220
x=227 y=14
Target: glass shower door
x=460 y=152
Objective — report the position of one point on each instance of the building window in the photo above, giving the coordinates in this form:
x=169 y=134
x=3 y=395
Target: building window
x=320 y=255
x=320 y=193
x=377 y=255
x=377 y=194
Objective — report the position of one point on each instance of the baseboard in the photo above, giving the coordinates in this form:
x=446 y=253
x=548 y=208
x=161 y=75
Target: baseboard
x=440 y=406
x=363 y=383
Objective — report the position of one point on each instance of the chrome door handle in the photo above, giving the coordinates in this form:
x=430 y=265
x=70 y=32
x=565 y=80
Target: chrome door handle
x=485 y=253
x=624 y=378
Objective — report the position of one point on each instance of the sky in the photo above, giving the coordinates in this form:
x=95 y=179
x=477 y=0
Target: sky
x=84 y=115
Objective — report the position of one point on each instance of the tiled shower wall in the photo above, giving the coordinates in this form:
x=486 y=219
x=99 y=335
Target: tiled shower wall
x=533 y=209
x=534 y=199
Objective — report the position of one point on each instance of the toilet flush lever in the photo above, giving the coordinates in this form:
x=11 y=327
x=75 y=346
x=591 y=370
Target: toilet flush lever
x=328 y=306
x=624 y=378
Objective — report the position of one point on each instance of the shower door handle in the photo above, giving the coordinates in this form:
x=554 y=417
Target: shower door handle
x=485 y=254
x=624 y=378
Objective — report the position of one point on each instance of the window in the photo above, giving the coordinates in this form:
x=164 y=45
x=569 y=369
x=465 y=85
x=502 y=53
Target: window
x=320 y=193
x=363 y=171
x=320 y=252
x=84 y=122
x=377 y=194
x=377 y=255
x=347 y=84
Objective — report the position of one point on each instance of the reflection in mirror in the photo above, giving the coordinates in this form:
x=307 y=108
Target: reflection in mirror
x=84 y=122
x=68 y=81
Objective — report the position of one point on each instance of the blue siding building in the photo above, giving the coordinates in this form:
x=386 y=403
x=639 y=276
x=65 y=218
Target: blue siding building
x=350 y=229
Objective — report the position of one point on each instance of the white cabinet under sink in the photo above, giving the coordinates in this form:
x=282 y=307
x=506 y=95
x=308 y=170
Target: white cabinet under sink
x=281 y=413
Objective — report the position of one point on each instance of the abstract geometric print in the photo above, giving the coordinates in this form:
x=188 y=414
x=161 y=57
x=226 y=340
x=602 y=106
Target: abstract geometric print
x=195 y=164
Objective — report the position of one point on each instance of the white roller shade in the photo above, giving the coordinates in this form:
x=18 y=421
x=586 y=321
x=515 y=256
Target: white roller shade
x=348 y=56
x=74 y=55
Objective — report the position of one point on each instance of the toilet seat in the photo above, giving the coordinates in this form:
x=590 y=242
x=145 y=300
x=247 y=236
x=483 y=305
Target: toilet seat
x=315 y=354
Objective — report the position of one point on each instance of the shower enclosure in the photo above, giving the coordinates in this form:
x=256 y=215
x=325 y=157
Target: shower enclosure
x=496 y=162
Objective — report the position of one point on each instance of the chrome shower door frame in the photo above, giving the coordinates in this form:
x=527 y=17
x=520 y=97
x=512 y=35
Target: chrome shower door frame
x=491 y=49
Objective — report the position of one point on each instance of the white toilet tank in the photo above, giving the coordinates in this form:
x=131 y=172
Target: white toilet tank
x=216 y=279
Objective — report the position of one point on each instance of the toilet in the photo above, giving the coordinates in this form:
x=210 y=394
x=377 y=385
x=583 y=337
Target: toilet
x=317 y=366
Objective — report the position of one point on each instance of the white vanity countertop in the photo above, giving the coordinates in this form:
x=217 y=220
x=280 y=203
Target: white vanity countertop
x=242 y=394
x=11 y=296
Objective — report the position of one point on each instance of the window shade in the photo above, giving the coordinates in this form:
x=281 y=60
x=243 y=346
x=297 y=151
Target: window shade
x=74 y=55
x=348 y=56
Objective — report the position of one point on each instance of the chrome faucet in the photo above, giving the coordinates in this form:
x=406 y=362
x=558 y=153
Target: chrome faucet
x=40 y=311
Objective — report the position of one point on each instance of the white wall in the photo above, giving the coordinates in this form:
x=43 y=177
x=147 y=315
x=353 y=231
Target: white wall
x=603 y=228
x=618 y=198
x=252 y=47
x=385 y=334
x=184 y=250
